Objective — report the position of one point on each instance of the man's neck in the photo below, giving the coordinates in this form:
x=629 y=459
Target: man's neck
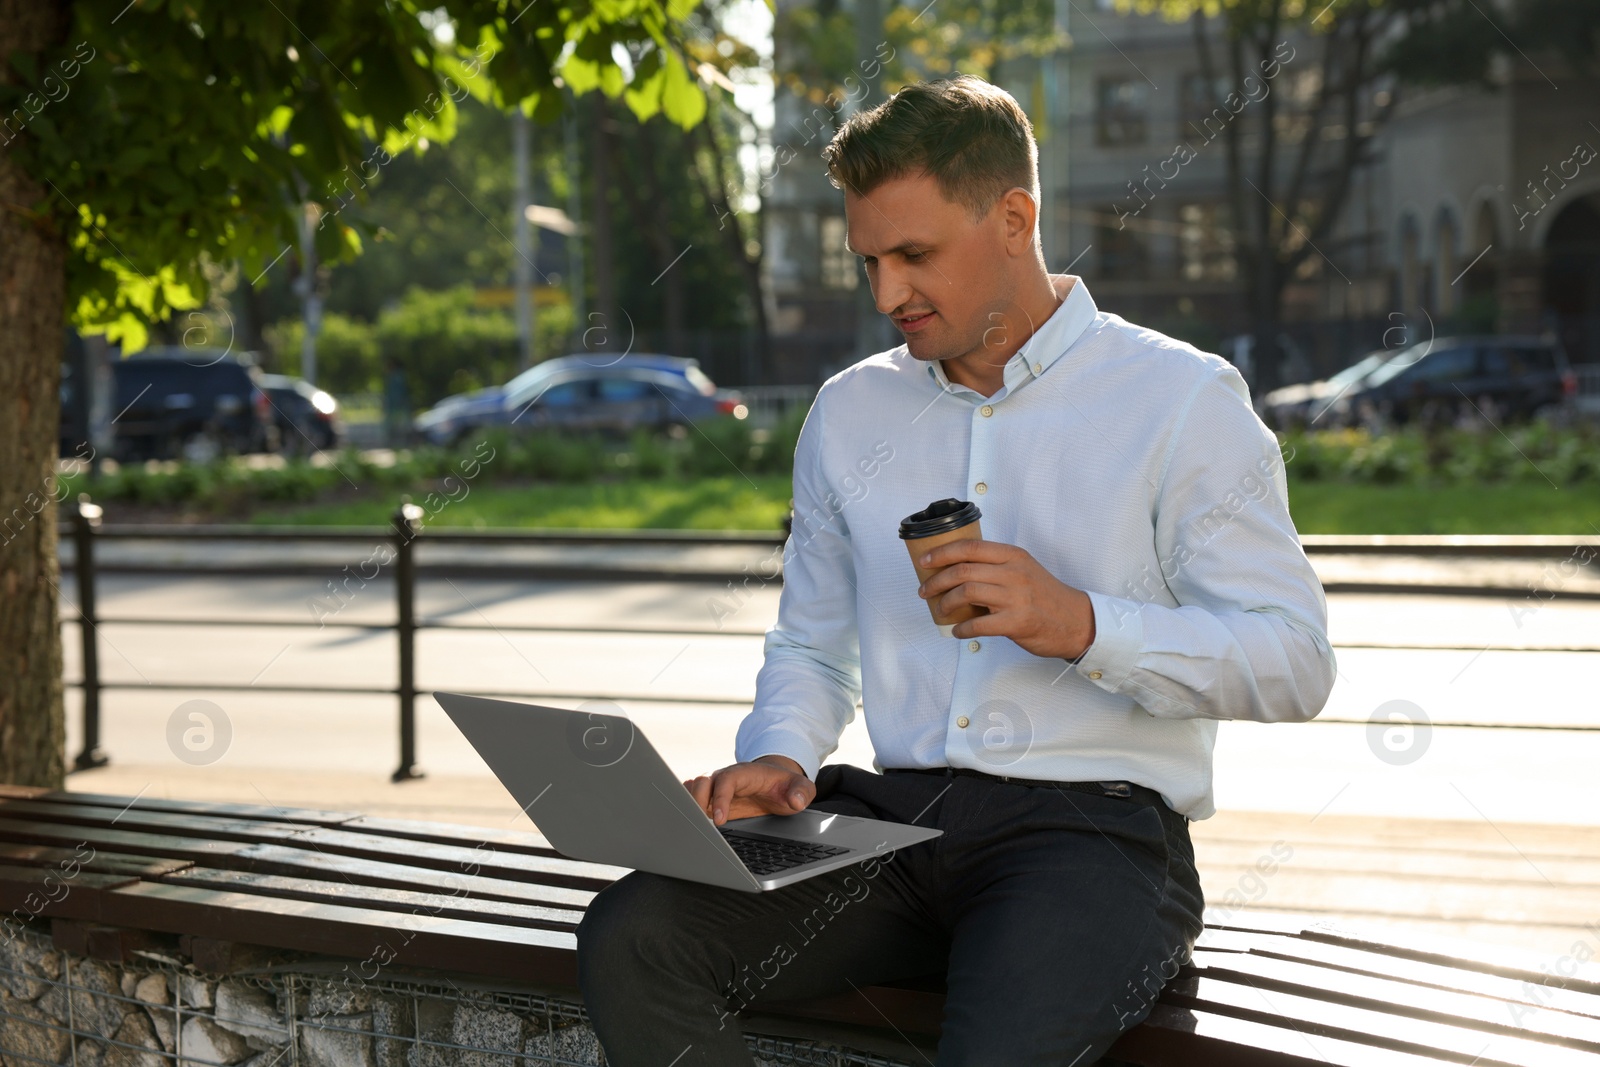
x=983 y=369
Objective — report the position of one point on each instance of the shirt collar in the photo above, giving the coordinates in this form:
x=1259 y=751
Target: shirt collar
x=1049 y=342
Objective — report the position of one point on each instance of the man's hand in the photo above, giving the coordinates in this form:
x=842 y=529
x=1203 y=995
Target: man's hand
x=769 y=785
x=1026 y=602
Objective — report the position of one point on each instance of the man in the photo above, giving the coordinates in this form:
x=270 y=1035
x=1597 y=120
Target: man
x=1142 y=580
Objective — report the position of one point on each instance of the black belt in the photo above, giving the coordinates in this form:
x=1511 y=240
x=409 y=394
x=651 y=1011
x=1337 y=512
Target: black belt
x=1143 y=794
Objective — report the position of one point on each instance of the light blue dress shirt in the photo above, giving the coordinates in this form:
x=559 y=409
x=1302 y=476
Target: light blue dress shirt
x=1131 y=466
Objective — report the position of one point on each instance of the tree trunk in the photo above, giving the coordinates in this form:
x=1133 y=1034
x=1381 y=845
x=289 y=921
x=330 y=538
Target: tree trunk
x=647 y=207
x=733 y=236
x=33 y=258
x=603 y=333
x=1266 y=353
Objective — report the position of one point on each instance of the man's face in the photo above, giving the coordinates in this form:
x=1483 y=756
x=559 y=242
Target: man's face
x=936 y=273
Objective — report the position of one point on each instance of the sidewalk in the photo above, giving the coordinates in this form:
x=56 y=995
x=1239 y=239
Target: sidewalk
x=1559 y=574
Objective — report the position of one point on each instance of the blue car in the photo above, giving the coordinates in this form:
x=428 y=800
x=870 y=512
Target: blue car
x=593 y=392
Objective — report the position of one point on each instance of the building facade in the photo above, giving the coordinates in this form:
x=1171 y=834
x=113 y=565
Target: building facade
x=1474 y=209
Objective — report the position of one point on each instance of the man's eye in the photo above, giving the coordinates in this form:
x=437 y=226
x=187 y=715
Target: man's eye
x=915 y=257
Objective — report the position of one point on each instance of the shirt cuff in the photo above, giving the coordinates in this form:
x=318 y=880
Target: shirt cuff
x=782 y=743
x=1118 y=640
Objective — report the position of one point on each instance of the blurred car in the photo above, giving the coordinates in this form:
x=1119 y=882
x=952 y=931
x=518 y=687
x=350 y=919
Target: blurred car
x=1439 y=381
x=307 y=418
x=172 y=402
x=1303 y=404
x=587 y=393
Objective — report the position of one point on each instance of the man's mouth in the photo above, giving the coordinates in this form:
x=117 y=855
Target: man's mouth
x=914 y=322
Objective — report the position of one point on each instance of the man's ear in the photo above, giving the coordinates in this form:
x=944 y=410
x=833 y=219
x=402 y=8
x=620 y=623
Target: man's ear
x=1021 y=216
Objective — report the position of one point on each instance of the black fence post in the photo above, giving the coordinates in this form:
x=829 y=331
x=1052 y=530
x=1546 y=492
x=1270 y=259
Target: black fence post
x=407 y=523
x=85 y=520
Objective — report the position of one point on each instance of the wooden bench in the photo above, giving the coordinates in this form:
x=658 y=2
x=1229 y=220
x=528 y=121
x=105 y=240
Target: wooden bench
x=223 y=882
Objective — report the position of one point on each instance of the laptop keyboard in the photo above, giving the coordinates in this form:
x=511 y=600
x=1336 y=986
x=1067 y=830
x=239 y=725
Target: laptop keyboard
x=769 y=855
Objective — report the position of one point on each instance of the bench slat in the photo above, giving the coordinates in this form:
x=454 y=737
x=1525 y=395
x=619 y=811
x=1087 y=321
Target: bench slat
x=442 y=833
x=283 y=859
x=1414 y=945
x=1194 y=1037
x=98 y=861
x=1364 y=960
x=180 y=824
x=1323 y=1018
x=303 y=863
x=379 y=899
x=25 y=892
x=412 y=829
x=1398 y=997
x=199 y=849
x=164 y=834
x=267 y=812
x=374 y=939
x=576 y=874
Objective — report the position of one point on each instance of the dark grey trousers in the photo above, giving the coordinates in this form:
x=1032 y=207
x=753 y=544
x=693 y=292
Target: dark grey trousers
x=1055 y=915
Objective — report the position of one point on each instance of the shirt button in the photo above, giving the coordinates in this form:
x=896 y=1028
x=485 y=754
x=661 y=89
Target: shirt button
x=982 y=487
x=1038 y=368
x=987 y=410
x=973 y=645
x=1094 y=675
x=963 y=721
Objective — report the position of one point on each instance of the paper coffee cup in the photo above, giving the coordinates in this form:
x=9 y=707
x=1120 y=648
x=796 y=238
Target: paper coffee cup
x=940 y=522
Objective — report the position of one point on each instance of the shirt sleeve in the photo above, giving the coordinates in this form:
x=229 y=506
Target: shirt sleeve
x=1248 y=639
x=810 y=682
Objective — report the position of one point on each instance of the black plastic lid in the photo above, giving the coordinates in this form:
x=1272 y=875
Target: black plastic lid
x=939 y=517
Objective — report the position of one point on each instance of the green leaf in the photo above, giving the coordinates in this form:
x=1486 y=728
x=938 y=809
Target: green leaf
x=611 y=82
x=644 y=96
x=581 y=74
x=681 y=99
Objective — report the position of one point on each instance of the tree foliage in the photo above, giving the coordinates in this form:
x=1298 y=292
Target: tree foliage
x=828 y=55
x=174 y=132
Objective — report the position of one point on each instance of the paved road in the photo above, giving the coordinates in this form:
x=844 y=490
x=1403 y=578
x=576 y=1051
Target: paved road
x=1495 y=677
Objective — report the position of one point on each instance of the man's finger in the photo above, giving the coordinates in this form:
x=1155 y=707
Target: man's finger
x=723 y=790
x=700 y=789
x=983 y=594
x=991 y=625
x=957 y=573
x=964 y=551
x=800 y=794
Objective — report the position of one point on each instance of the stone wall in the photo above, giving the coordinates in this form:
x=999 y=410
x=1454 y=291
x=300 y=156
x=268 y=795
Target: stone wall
x=155 y=1011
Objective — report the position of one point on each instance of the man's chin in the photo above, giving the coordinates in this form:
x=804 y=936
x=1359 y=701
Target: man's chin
x=923 y=348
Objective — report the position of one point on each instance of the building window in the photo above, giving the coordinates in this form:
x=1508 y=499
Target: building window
x=1120 y=111
x=1445 y=270
x=839 y=265
x=1199 y=102
x=1205 y=243
x=1411 y=287
x=1120 y=249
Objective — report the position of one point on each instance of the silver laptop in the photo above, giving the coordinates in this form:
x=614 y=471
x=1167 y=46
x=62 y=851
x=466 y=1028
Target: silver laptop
x=598 y=790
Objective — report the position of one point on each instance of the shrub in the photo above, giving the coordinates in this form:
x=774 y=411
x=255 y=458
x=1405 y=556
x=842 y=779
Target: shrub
x=347 y=352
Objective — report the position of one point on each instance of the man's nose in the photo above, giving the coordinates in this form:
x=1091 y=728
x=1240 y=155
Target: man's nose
x=890 y=289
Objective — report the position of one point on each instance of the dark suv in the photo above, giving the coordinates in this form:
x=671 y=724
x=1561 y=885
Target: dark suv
x=1436 y=382
x=187 y=403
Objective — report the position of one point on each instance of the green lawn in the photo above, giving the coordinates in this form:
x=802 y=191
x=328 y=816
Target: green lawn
x=1518 y=508
x=731 y=503
x=735 y=503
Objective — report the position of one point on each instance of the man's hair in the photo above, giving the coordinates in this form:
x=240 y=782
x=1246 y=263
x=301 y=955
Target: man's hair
x=969 y=136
